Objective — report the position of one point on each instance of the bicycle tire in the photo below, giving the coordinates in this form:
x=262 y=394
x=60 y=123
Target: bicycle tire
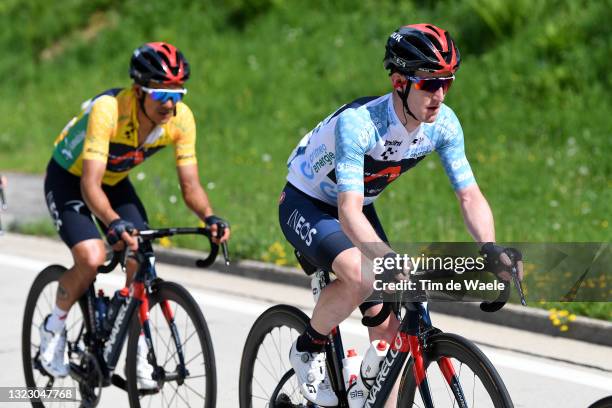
x=176 y=293
x=465 y=352
x=605 y=402
x=47 y=276
x=275 y=317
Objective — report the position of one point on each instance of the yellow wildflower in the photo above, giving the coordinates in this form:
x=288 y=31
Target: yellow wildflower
x=165 y=242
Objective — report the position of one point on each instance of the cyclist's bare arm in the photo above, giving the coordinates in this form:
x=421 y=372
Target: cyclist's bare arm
x=477 y=214
x=95 y=198
x=479 y=221
x=357 y=227
x=195 y=197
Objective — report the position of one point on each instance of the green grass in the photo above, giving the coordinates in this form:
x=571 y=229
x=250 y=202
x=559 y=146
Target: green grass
x=531 y=94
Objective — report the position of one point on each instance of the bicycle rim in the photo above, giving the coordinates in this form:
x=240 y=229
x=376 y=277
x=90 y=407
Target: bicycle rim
x=481 y=385
x=198 y=388
x=265 y=372
x=39 y=304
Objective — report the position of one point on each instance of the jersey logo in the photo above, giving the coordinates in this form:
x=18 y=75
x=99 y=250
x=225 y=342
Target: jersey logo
x=76 y=205
x=388 y=153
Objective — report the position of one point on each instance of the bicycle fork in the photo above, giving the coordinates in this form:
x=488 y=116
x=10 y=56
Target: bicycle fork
x=416 y=341
x=159 y=374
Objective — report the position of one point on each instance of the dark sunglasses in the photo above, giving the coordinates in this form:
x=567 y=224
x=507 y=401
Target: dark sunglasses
x=432 y=84
x=164 y=95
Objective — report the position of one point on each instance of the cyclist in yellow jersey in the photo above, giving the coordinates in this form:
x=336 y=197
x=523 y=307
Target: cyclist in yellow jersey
x=88 y=175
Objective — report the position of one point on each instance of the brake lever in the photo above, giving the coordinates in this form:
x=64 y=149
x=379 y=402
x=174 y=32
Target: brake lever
x=518 y=285
x=225 y=253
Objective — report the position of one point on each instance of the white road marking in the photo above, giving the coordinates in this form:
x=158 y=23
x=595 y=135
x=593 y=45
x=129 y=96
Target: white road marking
x=238 y=305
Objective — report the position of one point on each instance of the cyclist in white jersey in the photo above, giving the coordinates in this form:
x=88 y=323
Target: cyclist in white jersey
x=341 y=166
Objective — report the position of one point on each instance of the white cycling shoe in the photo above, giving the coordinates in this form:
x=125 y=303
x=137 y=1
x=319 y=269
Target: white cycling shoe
x=144 y=370
x=312 y=377
x=53 y=356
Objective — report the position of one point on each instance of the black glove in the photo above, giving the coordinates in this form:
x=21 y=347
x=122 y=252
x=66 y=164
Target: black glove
x=394 y=273
x=116 y=228
x=492 y=253
x=219 y=222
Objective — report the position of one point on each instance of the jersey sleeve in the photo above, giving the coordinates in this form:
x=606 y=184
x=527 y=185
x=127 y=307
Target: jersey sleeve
x=184 y=136
x=101 y=126
x=452 y=151
x=354 y=136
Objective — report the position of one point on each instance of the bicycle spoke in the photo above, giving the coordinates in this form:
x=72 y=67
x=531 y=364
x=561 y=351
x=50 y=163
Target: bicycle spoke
x=266 y=368
x=191 y=377
x=176 y=351
x=262 y=388
x=265 y=349
x=194 y=357
x=194 y=391
x=173 y=395
x=166 y=344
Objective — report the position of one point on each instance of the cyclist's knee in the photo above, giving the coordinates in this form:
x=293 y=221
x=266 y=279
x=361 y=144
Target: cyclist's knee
x=347 y=267
x=88 y=256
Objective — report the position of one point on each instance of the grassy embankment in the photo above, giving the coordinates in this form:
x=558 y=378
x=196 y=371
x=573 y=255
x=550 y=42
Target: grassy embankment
x=532 y=96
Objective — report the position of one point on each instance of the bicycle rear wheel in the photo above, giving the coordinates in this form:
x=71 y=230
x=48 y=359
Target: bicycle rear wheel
x=39 y=304
x=481 y=385
x=198 y=388
x=266 y=377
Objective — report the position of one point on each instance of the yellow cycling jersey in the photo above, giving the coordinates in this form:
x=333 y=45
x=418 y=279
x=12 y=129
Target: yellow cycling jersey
x=106 y=130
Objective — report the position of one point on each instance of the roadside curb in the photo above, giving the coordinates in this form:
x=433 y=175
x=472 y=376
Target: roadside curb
x=520 y=317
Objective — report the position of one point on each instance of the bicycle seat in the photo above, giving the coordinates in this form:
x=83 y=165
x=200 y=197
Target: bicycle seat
x=308 y=267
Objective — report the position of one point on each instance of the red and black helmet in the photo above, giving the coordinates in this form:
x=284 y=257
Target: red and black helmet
x=422 y=47
x=158 y=62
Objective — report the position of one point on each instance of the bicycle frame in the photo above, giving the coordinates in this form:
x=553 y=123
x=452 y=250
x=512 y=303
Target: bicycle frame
x=108 y=352
x=140 y=288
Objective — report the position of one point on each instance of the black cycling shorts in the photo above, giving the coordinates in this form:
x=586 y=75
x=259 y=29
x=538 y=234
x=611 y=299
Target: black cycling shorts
x=73 y=220
x=312 y=227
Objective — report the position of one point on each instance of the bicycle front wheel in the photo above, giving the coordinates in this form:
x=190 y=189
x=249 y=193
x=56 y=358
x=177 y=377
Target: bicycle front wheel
x=266 y=377
x=479 y=384
x=189 y=370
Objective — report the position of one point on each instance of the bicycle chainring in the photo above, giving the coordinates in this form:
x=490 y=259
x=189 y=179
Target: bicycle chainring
x=93 y=380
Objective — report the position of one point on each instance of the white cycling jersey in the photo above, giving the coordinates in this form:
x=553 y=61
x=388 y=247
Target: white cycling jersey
x=363 y=147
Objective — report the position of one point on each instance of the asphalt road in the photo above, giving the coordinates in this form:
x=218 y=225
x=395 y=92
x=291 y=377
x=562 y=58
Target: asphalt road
x=539 y=371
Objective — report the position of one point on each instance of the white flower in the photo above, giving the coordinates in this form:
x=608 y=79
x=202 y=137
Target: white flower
x=140 y=176
x=210 y=185
x=172 y=199
x=583 y=170
x=266 y=157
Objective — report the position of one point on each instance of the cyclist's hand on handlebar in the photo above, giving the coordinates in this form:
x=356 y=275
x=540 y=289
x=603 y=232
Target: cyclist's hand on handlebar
x=219 y=228
x=500 y=260
x=395 y=269
x=119 y=232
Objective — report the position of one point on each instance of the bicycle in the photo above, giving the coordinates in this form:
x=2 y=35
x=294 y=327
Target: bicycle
x=267 y=381
x=179 y=345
